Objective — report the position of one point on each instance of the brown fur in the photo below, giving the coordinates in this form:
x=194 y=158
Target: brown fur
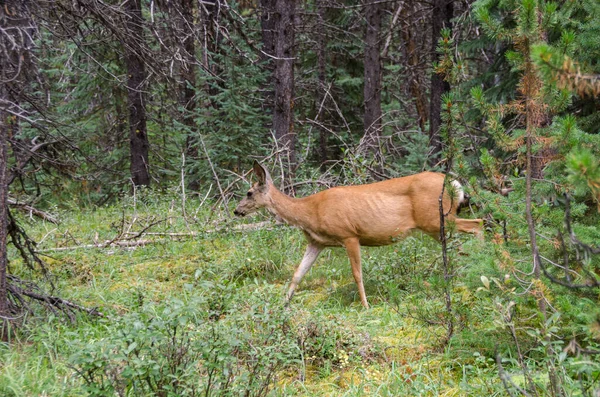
x=350 y=216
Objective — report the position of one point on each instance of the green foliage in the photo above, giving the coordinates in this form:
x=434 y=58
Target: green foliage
x=417 y=148
x=205 y=313
x=178 y=348
x=231 y=129
x=584 y=172
x=528 y=32
x=330 y=345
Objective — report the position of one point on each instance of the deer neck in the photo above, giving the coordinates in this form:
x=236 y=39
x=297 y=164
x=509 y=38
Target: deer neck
x=293 y=211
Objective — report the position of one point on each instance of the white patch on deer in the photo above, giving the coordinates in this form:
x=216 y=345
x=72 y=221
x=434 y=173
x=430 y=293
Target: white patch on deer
x=459 y=191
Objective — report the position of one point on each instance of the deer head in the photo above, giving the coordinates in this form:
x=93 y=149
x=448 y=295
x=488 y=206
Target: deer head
x=258 y=195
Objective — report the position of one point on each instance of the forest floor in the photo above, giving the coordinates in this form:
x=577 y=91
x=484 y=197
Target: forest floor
x=240 y=274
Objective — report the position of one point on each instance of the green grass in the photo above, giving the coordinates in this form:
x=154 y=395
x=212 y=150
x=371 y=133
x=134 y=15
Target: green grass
x=225 y=286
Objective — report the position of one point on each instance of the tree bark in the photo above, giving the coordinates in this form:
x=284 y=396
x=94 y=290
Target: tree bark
x=268 y=22
x=372 y=77
x=188 y=83
x=441 y=16
x=321 y=75
x=284 y=82
x=417 y=89
x=4 y=120
x=268 y=28
x=136 y=80
x=209 y=15
x=188 y=69
x=16 y=38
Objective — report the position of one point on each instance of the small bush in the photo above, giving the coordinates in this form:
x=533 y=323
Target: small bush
x=180 y=349
x=327 y=343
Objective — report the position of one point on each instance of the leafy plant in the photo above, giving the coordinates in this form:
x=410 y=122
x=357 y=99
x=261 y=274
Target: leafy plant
x=181 y=348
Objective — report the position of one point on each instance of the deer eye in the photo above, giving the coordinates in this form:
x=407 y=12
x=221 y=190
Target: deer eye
x=249 y=194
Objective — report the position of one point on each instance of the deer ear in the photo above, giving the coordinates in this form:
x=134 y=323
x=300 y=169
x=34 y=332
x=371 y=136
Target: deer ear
x=261 y=173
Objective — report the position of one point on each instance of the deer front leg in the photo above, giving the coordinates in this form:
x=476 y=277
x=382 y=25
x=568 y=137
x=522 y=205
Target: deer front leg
x=353 y=249
x=310 y=256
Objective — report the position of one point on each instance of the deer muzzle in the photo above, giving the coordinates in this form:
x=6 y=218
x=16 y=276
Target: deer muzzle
x=238 y=212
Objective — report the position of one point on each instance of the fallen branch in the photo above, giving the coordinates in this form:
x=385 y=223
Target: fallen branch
x=240 y=227
x=130 y=242
x=32 y=211
x=174 y=234
x=105 y=244
x=19 y=289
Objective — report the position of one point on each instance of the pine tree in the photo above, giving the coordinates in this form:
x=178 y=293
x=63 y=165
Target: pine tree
x=532 y=134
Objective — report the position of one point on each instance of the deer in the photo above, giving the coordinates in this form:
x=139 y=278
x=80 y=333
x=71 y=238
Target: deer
x=375 y=214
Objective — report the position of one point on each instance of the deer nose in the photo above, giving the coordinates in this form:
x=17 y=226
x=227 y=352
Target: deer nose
x=238 y=213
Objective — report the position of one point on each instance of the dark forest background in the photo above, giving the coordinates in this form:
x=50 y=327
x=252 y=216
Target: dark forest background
x=101 y=96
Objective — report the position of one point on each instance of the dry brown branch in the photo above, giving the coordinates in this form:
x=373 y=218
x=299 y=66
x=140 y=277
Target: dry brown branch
x=32 y=211
x=130 y=242
x=106 y=244
x=569 y=76
x=240 y=227
x=19 y=289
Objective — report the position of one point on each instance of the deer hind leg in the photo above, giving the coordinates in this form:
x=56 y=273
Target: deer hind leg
x=474 y=226
x=310 y=256
x=353 y=249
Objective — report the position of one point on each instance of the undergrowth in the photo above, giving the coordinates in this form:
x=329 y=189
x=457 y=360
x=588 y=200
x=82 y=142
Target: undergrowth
x=194 y=306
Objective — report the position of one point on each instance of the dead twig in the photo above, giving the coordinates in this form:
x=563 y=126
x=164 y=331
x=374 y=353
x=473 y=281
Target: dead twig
x=128 y=242
x=19 y=288
x=32 y=211
x=240 y=227
x=106 y=244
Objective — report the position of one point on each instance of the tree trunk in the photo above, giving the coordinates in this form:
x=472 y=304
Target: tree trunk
x=372 y=75
x=267 y=23
x=322 y=62
x=440 y=17
x=136 y=79
x=417 y=89
x=4 y=177
x=284 y=82
x=188 y=83
x=188 y=69
x=15 y=40
x=209 y=15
